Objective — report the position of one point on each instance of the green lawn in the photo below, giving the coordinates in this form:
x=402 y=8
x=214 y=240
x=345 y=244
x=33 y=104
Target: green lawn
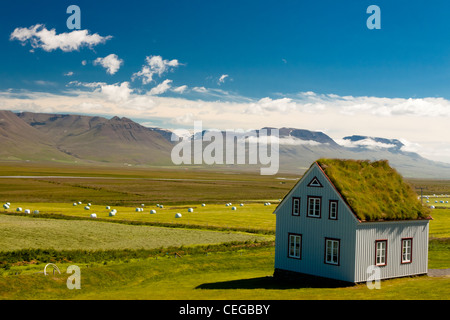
x=21 y=232
x=239 y=275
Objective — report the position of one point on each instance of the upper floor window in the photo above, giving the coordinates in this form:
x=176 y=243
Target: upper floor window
x=333 y=210
x=295 y=206
x=314 y=207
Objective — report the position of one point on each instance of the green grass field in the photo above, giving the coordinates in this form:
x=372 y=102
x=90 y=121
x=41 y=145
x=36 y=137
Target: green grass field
x=133 y=258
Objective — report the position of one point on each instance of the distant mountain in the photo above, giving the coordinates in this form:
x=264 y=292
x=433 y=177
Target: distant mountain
x=87 y=139
x=20 y=141
x=115 y=140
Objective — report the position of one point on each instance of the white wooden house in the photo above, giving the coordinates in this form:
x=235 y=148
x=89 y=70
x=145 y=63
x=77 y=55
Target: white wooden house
x=345 y=216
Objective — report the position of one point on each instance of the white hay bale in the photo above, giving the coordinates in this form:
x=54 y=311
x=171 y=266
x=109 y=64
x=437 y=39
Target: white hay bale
x=203 y=205
x=112 y=213
x=5 y=206
x=190 y=210
x=108 y=207
x=241 y=204
x=233 y=208
x=178 y=215
x=87 y=208
x=161 y=206
x=27 y=211
x=79 y=202
x=432 y=207
x=75 y=204
x=152 y=211
x=89 y=204
x=93 y=215
x=227 y=204
x=157 y=205
x=142 y=205
x=19 y=209
x=36 y=211
x=138 y=209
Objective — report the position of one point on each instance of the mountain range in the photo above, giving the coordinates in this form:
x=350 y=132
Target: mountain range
x=92 y=139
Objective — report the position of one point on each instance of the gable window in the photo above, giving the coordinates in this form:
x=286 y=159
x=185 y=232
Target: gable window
x=407 y=250
x=332 y=247
x=295 y=246
x=315 y=183
x=380 y=252
x=314 y=205
x=295 y=206
x=333 y=210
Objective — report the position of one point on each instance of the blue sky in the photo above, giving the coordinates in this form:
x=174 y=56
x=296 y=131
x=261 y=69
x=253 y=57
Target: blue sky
x=306 y=64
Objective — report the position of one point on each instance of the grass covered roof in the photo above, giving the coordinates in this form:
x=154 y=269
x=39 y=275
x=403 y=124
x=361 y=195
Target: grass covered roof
x=374 y=190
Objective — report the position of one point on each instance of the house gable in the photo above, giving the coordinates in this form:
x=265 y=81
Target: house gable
x=313 y=184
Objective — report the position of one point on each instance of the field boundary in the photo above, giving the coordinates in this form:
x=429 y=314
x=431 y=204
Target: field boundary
x=33 y=256
x=145 y=223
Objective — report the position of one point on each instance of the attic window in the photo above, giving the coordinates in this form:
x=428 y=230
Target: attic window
x=315 y=183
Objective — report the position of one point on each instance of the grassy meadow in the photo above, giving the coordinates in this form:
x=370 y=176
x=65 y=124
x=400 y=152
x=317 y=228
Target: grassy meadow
x=213 y=252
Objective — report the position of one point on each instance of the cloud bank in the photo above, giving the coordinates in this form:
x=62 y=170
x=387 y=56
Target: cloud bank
x=48 y=40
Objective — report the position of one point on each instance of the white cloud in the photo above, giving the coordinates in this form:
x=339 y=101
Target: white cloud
x=117 y=93
x=84 y=62
x=68 y=74
x=222 y=79
x=180 y=89
x=111 y=63
x=368 y=143
x=269 y=105
x=48 y=40
x=187 y=118
x=161 y=88
x=155 y=65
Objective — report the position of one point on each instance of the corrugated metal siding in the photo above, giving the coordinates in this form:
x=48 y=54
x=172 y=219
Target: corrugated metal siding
x=393 y=232
x=315 y=230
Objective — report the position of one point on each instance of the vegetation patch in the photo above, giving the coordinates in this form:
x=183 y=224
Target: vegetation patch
x=374 y=190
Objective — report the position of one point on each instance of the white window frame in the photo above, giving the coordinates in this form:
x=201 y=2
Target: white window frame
x=332 y=251
x=407 y=250
x=380 y=252
x=295 y=205
x=294 y=246
x=314 y=207
x=333 y=215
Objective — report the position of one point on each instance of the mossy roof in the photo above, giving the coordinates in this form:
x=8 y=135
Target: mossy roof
x=374 y=190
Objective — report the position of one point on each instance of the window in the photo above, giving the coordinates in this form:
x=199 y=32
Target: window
x=314 y=207
x=295 y=206
x=295 y=246
x=315 y=183
x=333 y=212
x=407 y=250
x=381 y=249
x=332 y=251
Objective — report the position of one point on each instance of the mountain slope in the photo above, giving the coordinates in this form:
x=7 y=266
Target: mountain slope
x=116 y=140
x=20 y=141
